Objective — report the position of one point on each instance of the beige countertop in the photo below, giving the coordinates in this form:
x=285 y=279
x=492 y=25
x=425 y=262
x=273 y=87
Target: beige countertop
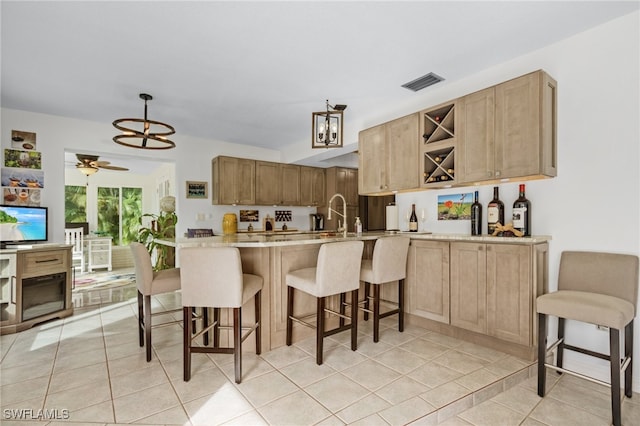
x=308 y=237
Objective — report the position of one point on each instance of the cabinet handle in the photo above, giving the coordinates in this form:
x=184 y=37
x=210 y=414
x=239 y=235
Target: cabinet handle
x=47 y=260
x=497 y=172
x=489 y=173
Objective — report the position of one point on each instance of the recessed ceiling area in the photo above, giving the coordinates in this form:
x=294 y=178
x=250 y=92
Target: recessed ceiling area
x=253 y=72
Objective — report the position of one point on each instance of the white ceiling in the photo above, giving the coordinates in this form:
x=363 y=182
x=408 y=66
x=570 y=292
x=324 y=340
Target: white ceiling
x=252 y=72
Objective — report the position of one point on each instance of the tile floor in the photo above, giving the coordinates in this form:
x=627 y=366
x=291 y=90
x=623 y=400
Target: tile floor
x=88 y=369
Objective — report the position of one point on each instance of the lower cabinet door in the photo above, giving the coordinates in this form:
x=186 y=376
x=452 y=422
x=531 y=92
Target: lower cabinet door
x=428 y=280
x=469 y=286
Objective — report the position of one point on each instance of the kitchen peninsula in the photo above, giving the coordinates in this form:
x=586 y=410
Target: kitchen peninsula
x=479 y=288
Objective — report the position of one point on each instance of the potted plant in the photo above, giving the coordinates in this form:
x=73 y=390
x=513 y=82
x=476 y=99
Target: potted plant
x=162 y=226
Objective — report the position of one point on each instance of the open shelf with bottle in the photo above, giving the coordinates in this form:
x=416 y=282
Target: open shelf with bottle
x=439 y=167
x=439 y=123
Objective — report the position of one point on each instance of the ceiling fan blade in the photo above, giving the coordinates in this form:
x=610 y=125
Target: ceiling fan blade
x=100 y=163
x=117 y=168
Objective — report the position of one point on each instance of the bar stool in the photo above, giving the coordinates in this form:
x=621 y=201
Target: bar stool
x=151 y=283
x=212 y=277
x=337 y=271
x=596 y=288
x=389 y=263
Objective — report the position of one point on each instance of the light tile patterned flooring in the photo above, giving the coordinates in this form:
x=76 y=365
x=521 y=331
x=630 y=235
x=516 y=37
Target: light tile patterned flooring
x=89 y=368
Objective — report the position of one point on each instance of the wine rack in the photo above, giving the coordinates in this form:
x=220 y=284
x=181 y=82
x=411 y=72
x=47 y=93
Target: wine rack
x=439 y=124
x=439 y=145
x=439 y=166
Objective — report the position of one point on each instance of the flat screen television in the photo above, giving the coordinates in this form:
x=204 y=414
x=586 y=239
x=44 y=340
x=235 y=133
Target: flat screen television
x=23 y=224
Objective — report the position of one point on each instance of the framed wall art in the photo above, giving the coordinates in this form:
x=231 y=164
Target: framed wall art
x=197 y=190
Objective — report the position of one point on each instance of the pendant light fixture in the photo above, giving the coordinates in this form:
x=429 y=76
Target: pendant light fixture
x=327 y=127
x=143 y=133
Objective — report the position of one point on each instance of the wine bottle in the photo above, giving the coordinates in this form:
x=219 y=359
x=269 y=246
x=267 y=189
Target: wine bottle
x=522 y=213
x=495 y=212
x=476 y=216
x=413 y=219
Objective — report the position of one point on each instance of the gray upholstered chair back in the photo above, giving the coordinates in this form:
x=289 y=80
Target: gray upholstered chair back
x=604 y=273
x=389 y=262
x=211 y=276
x=338 y=267
x=144 y=269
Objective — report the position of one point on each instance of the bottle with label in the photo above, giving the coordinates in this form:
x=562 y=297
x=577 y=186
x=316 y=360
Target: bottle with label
x=476 y=216
x=522 y=213
x=358 y=226
x=495 y=212
x=413 y=219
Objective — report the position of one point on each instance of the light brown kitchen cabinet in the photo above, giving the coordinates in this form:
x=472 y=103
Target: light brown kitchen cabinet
x=389 y=157
x=313 y=187
x=494 y=286
x=277 y=184
x=509 y=292
x=342 y=180
x=427 y=280
x=469 y=286
x=509 y=130
x=233 y=181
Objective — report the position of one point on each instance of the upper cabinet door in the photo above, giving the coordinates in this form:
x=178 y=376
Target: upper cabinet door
x=525 y=130
x=403 y=145
x=476 y=137
x=277 y=184
x=371 y=160
x=233 y=181
x=312 y=186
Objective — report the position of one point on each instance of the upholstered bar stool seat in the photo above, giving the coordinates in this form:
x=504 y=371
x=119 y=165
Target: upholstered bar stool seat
x=388 y=264
x=337 y=272
x=600 y=289
x=212 y=277
x=151 y=283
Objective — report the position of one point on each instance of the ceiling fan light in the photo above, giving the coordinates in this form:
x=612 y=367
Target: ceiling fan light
x=87 y=170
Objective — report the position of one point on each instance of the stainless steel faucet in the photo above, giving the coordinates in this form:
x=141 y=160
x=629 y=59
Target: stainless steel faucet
x=344 y=209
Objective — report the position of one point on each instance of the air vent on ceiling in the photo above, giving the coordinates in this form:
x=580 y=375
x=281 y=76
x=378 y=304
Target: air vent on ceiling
x=422 y=82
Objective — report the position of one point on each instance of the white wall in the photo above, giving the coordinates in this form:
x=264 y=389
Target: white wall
x=593 y=204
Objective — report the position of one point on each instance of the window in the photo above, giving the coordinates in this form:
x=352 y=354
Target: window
x=119 y=212
x=75 y=203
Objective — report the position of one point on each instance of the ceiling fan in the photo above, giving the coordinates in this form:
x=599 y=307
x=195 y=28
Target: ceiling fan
x=89 y=164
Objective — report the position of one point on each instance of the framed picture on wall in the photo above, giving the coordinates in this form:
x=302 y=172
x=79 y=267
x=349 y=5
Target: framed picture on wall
x=197 y=190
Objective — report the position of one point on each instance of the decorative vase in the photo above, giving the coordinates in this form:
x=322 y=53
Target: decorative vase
x=229 y=223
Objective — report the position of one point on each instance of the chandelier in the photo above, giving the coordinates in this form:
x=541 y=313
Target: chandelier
x=327 y=127
x=143 y=133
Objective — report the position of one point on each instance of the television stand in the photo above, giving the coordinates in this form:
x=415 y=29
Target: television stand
x=35 y=285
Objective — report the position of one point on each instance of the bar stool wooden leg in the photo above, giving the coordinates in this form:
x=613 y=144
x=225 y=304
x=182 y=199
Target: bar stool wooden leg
x=141 y=318
x=367 y=293
x=354 y=320
x=319 y=329
x=237 y=343
x=343 y=300
x=542 y=353
x=205 y=324
x=216 y=327
x=614 y=345
x=560 y=351
x=401 y=305
x=147 y=325
x=258 y=319
x=376 y=313
x=289 y=314
x=628 y=353
x=186 y=344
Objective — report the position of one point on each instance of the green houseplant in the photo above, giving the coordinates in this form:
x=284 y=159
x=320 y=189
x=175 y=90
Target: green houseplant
x=163 y=226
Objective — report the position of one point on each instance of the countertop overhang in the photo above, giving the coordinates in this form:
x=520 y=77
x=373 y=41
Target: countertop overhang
x=302 y=237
